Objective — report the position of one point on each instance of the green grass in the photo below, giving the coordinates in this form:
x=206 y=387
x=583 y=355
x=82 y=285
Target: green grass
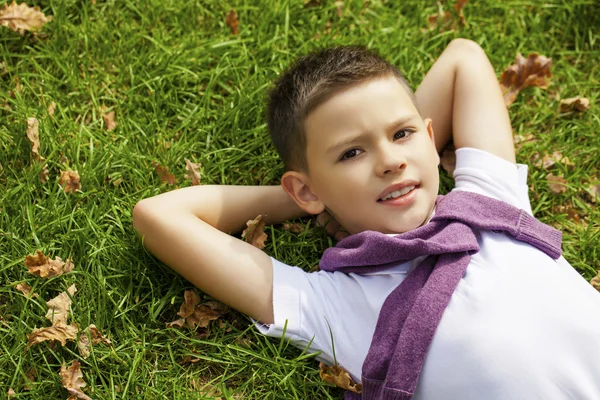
x=184 y=87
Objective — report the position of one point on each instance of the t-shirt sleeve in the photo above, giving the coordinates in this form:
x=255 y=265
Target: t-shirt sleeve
x=487 y=174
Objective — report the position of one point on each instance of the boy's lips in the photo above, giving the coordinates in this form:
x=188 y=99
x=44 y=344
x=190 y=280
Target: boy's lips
x=397 y=187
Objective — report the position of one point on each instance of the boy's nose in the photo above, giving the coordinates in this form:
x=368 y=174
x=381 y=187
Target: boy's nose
x=391 y=160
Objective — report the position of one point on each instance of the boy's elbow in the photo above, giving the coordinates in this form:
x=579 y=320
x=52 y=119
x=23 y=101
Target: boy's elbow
x=139 y=215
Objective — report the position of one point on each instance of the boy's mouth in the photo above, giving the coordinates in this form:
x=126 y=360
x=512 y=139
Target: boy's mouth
x=396 y=191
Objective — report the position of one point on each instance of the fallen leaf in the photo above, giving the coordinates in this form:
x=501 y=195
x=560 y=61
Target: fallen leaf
x=109 y=119
x=51 y=108
x=21 y=17
x=548 y=160
x=11 y=393
x=340 y=377
x=44 y=267
x=34 y=138
x=444 y=18
x=91 y=332
x=556 y=183
x=594 y=191
x=164 y=174
x=72 y=380
x=293 y=227
x=232 y=21
x=596 y=281
x=197 y=315
x=69 y=180
x=448 y=159
x=25 y=289
x=530 y=71
x=193 y=172
x=44 y=173
x=58 y=307
x=571 y=212
x=30 y=377
x=255 y=234
x=578 y=103
x=61 y=333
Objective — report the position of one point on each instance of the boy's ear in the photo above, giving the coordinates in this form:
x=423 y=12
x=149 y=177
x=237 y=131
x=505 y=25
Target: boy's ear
x=296 y=185
x=429 y=124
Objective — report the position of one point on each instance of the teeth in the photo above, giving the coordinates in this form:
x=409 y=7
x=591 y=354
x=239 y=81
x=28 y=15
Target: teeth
x=398 y=193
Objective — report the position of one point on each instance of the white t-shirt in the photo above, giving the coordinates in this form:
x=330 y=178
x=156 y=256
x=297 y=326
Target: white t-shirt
x=520 y=325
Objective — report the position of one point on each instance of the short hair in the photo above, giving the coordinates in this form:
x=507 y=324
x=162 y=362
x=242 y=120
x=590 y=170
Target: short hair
x=309 y=82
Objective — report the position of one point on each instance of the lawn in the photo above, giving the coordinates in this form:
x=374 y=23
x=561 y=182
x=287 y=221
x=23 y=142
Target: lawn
x=183 y=86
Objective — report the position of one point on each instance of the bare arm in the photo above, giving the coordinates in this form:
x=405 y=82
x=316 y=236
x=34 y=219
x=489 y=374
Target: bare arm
x=187 y=230
x=461 y=95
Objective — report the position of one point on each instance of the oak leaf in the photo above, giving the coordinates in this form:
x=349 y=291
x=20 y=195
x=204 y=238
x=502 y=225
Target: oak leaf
x=231 y=19
x=72 y=380
x=21 y=17
x=109 y=119
x=197 y=315
x=69 y=180
x=91 y=332
x=531 y=71
x=43 y=267
x=25 y=289
x=340 y=377
x=255 y=234
x=164 y=174
x=61 y=333
x=193 y=170
x=557 y=184
x=577 y=103
x=34 y=138
x=58 y=307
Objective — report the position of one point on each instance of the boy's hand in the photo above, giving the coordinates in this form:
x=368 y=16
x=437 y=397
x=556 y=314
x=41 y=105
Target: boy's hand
x=332 y=227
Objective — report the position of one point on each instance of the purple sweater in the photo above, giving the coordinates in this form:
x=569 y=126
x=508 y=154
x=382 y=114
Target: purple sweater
x=411 y=313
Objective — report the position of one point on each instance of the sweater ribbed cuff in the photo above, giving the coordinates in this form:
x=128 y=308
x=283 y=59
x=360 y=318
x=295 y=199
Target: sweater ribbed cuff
x=541 y=236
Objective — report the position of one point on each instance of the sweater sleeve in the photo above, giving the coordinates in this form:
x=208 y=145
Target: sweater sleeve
x=481 y=172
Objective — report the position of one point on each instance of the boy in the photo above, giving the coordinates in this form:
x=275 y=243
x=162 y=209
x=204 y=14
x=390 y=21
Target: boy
x=358 y=144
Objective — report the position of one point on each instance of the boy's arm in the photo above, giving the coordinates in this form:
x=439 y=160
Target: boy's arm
x=187 y=230
x=461 y=95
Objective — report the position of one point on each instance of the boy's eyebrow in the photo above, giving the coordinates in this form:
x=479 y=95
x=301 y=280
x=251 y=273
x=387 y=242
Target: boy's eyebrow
x=394 y=125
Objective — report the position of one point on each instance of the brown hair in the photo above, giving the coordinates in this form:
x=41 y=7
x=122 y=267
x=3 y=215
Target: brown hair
x=309 y=82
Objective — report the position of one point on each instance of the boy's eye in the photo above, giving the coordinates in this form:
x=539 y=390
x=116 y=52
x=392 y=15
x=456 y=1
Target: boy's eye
x=350 y=154
x=401 y=134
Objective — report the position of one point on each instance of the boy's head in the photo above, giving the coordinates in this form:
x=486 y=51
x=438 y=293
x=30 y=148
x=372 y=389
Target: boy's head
x=346 y=124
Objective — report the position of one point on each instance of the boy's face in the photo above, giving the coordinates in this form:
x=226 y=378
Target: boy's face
x=364 y=143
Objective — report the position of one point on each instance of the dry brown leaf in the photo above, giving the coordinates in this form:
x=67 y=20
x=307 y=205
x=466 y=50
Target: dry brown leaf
x=34 y=138
x=551 y=159
x=197 y=315
x=51 y=108
x=594 y=191
x=44 y=173
x=44 y=267
x=69 y=180
x=530 y=71
x=190 y=299
x=446 y=17
x=557 y=184
x=596 y=281
x=293 y=227
x=164 y=174
x=571 y=212
x=25 y=289
x=61 y=333
x=577 y=103
x=109 y=119
x=30 y=377
x=72 y=380
x=21 y=17
x=255 y=234
x=448 y=159
x=193 y=172
x=11 y=393
x=232 y=21
x=58 y=307
x=340 y=377
x=91 y=332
